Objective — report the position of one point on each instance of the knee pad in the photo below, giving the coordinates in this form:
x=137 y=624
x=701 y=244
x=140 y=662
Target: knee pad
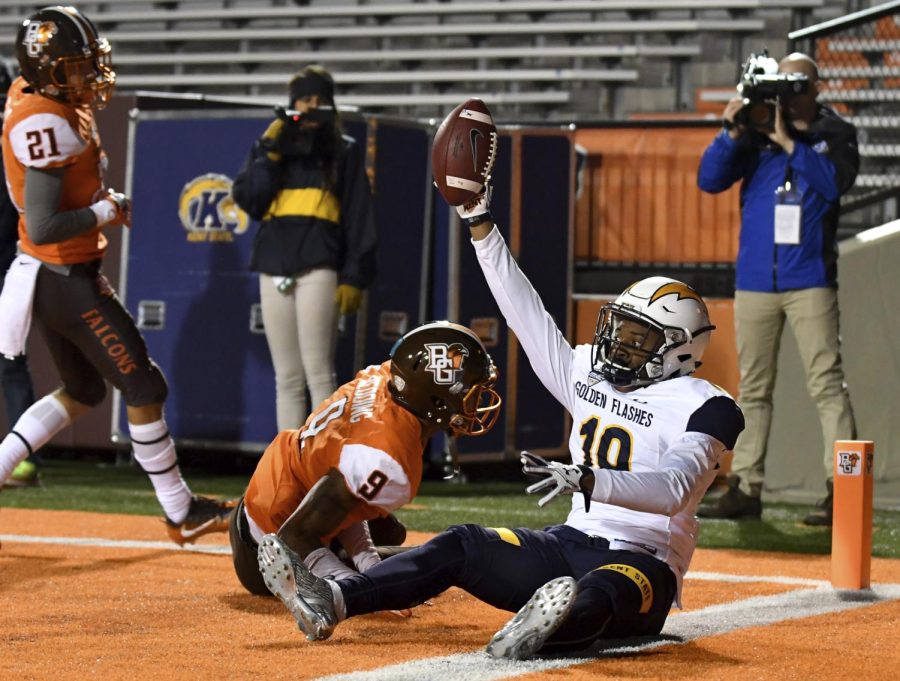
x=146 y=386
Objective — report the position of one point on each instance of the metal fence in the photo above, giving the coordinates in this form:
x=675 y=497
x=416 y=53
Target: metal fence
x=859 y=66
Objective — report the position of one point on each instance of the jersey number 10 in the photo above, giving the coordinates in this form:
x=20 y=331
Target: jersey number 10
x=612 y=449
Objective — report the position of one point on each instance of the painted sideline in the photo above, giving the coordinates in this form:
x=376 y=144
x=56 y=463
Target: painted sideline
x=115 y=543
x=226 y=550
x=680 y=628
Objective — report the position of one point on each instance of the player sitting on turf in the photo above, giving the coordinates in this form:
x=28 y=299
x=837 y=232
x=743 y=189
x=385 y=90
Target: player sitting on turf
x=646 y=442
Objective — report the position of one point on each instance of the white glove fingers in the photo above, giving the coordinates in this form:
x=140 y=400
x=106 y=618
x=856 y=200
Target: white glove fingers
x=533 y=459
x=540 y=486
x=548 y=498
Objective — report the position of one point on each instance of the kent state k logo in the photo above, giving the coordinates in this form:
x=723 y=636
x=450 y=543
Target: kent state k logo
x=445 y=361
x=207 y=210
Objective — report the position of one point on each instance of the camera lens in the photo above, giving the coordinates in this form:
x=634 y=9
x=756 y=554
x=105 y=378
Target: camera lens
x=761 y=115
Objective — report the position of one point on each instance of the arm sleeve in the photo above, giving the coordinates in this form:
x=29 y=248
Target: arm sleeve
x=682 y=469
x=259 y=181
x=830 y=165
x=358 y=543
x=324 y=563
x=548 y=351
x=358 y=220
x=43 y=223
x=723 y=163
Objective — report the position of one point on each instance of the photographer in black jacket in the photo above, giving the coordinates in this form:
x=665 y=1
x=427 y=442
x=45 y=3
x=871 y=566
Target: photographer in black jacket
x=315 y=249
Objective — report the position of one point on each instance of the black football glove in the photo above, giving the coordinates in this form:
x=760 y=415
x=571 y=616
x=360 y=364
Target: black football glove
x=559 y=478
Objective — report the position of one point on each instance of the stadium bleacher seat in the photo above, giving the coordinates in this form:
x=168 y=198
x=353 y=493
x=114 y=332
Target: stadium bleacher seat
x=211 y=46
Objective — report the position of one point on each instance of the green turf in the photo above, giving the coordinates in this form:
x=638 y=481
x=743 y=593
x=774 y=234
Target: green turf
x=107 y=488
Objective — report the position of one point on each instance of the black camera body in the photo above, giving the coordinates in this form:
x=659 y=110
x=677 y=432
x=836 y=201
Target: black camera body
x=762 y=88
x=296 y=139
x=320 y=115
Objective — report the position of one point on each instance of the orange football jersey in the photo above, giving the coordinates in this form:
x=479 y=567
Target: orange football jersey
x=375 y=443
x=41 y=133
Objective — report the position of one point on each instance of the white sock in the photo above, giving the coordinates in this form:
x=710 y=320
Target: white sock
x=40 y=422
x=154 y=450
x=340 y=607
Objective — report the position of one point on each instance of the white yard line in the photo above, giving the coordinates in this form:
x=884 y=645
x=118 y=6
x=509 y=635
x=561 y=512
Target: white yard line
x=680 y=628
x=226 y=550
x=746 y=579
x=114 y=543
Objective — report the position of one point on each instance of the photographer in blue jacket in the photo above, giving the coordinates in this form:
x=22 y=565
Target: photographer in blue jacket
x=794 y=158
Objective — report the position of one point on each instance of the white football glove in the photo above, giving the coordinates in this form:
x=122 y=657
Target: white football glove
x=559 y=478
x=477 y=210
x=111 y=206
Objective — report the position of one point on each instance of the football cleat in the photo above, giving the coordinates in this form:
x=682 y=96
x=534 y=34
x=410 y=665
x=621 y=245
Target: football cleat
x=205 y=516
x=526 y=633
x=25 y=474
x=308 y=598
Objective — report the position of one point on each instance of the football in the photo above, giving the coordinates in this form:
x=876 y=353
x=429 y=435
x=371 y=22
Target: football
x=463 y=152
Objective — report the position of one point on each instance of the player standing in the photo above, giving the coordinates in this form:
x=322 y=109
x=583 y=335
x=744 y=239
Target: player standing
x=55 y=168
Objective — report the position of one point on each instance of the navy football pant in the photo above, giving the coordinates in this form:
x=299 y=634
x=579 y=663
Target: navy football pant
x=620 y=593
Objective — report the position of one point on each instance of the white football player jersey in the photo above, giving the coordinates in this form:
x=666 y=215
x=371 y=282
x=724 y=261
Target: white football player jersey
x=654 y=450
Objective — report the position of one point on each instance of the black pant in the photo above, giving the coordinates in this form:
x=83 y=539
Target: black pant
x=244 y=553
x=91 y=337
x=15 y=377
x=18 y=393
x=620 y=593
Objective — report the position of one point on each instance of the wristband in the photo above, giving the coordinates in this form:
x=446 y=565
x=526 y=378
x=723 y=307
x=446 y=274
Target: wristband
x=105 y=211
x=473 y=220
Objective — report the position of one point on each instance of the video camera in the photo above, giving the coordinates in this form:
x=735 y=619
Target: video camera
x=296 y=139
x=321 y=115
x=762 y=87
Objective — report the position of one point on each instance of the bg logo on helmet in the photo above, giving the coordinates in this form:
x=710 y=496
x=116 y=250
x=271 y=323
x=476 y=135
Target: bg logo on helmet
x=445 y=361
x=37 y=35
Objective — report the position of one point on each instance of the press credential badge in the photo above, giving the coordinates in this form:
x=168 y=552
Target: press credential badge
x=788 y=215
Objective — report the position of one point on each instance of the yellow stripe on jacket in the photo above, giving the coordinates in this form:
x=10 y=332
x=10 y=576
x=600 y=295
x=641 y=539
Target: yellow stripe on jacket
x=308 y=202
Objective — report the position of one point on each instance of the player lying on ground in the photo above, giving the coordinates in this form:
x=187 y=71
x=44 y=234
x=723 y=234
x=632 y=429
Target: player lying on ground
x=359 y=455
x=645 y=444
